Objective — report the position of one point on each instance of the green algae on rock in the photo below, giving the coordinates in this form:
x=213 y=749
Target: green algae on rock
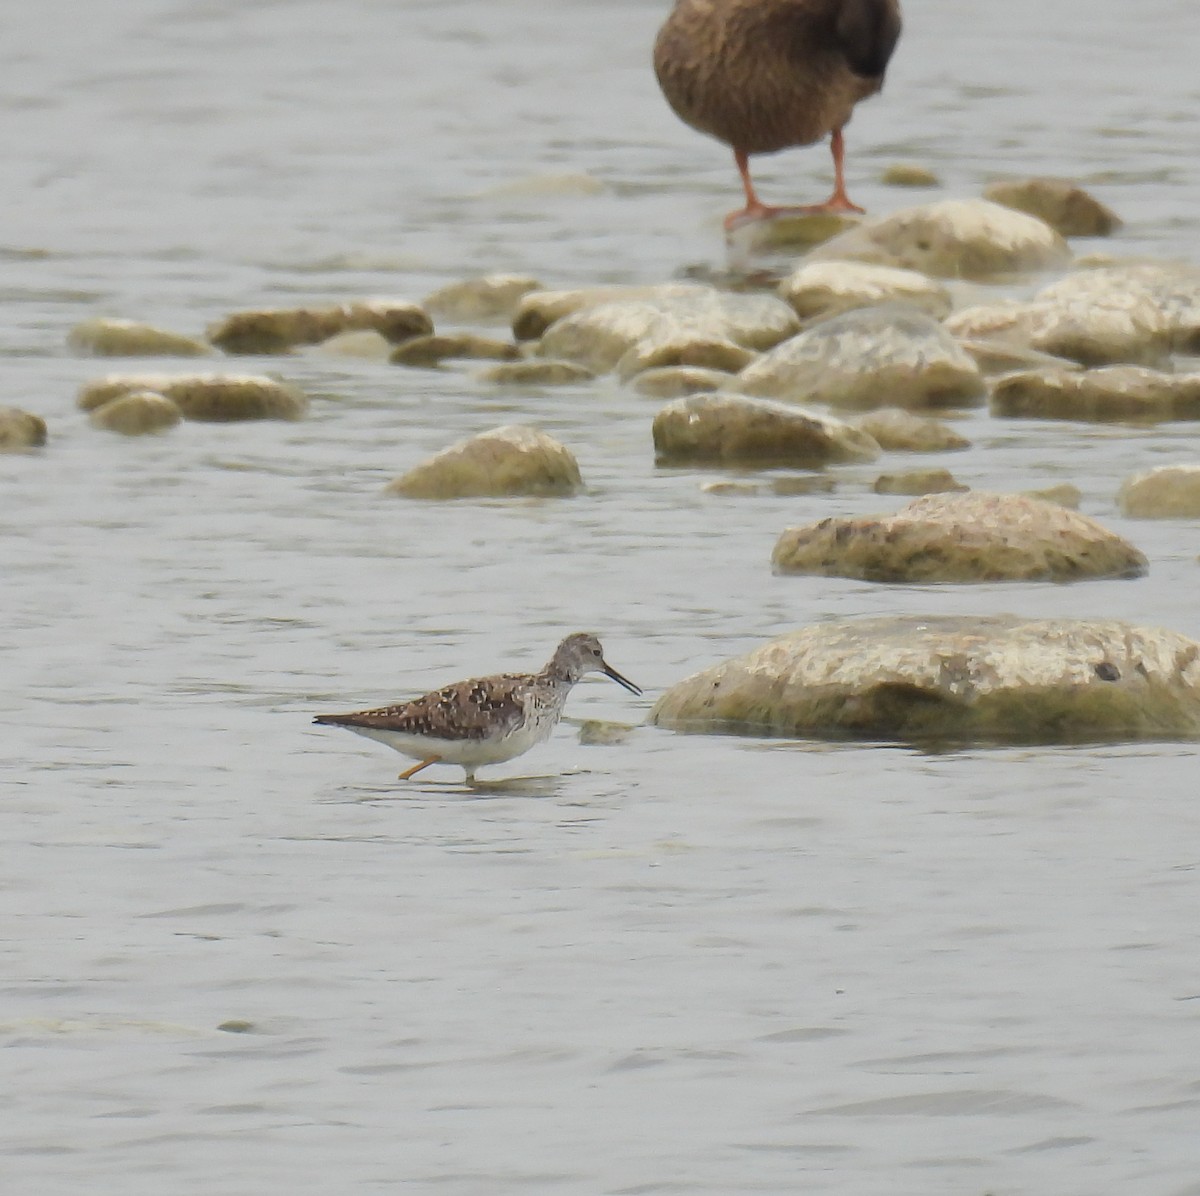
x=104 y=337
x=997 y=678
x=962 y=538
x=729 y=429
x=210 y=398
x=136 y=413
x=20 y=430
x=513 y=460
x=887 y=356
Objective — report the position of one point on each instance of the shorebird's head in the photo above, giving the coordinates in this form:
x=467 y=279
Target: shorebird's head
x=580 y=654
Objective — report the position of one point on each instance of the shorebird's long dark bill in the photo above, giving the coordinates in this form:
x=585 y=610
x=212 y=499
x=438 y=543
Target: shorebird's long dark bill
x=609 y=671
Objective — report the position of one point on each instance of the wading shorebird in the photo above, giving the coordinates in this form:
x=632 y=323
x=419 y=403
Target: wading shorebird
x=484 y=720
x=765 y=75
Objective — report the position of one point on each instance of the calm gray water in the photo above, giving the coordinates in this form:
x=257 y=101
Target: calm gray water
x=675 y=964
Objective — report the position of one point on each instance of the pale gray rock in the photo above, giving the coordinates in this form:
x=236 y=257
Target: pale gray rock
x=1117 y=392
x=951 y=678
x=676 y=381
x=137 y=413
x=953 y=238
x=890 y=356
x=972 y=537
x=818 y=289
x=479 y=300
x=896 y=430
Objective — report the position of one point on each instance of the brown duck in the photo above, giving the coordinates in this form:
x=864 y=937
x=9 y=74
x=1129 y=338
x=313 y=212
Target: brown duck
x=764 y=75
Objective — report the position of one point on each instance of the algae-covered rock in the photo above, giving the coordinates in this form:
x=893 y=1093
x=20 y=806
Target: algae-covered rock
x=1118 y=392
x=918 y=481
x=433 y=349
x=277 y=330
x=20 y=430
x=908 y=174
x=103 y=337
x=697 y=325
x=953 y=238
x=726 y=429
x=535 y=372
x=477 y=300
x=816 y=289
x=212 y=398
x=972 y=537
x=997 y=678
x=1064 y=206
x=1168 y=492
x=504 y=462
x=136 y=413
x=791 y=230
x=889 y=356
x=897 y=430
x=676 y=381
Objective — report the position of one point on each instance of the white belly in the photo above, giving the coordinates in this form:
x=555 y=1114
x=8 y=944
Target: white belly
x=470 y=753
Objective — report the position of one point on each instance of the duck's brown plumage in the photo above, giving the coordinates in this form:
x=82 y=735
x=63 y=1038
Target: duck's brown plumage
x=763 y=75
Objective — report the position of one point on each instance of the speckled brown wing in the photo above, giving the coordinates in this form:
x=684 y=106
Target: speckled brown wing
x=481 y=708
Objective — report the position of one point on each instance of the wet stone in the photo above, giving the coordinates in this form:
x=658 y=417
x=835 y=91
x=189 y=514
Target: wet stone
x=435 y=348
x=137 y=413
x=1119 y=392
x=889 y=356
x=972 y=537
x=214 y=398
x=1168 y=492
x=20 y=430
x=726 y=429
x=998 y=678
x=676 y=381
x=1064 y=206
x=479 y=300
x=103 y=337
x=504 y=462
x=535 y=372
x=953 y=238
x=918 y=481
x=907 y=174
x=278 y=330
x=897 y=430
x=818 y=289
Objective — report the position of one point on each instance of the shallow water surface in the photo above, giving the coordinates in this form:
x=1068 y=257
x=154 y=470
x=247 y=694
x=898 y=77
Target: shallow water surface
x=239 y=957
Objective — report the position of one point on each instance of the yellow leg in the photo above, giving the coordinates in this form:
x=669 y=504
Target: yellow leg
x=416 y=768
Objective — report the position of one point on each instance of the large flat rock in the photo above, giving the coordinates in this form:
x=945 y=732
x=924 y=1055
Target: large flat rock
x=959 y=678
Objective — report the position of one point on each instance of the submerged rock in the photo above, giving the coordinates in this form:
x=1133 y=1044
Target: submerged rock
x=490 y=297
x=137 y=412
x=889 y=356
x=972 y=537
x=727 y=429
x=908 y=174
x=503 y=462
x=1064 y=206
x=213 y=398
x=694 y=325
x=953 y=238
x=433 y=349
x=918 y=481
x=897 y=430
x=103 y=337
x=966 y=678
x=1168 y=492
x=535 y=372
x=1118 y=392
x=20 y=430
x=817 y=289
x=676 y=381
x=276 y=330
